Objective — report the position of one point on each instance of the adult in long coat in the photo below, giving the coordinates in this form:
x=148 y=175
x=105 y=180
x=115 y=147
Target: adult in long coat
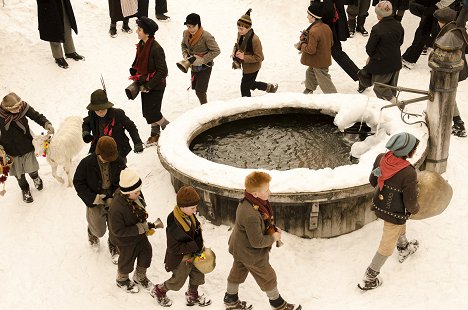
x=56 y=20
x=121 y=10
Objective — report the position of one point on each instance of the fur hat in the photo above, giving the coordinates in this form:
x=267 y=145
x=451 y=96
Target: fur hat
x=187 y=196
x=316 y=9
x=11 y=102
x=445 y=15
x=107 y=148
x=129 y=182
x=245 y=19
x=148 y=25
x=402 y=144
x=384 y=9
x=99 y=101
x=193 y=19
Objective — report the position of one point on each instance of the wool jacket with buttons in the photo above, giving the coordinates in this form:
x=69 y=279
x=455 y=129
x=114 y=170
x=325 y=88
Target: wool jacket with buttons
x=398 y=197
x=157 y=65
x=253 y=55
x=88 y=180
x=317 y=52
x=206 y=47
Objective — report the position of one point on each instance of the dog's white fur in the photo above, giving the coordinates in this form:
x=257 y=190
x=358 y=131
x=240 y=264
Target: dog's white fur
x=64 y=145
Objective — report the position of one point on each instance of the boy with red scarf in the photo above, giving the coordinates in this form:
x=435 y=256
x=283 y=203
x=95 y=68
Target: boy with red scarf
x=250 y=244
x=394 y=201
x=149 y=70
x=200 y=48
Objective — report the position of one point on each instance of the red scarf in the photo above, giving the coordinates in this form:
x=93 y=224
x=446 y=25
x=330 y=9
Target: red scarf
x=142 y=56
x=389 y=166
x=264 y=207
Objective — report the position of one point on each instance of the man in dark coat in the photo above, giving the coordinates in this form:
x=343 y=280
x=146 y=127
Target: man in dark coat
x=395 y=199
x=117 y=13
x=96 y=178
x=160 y=10
x=56 y=20
x=104 y=120
x=383 y=48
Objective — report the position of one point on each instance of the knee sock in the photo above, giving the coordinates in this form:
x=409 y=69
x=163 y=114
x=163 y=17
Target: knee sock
x=273 y=294
x=155 y=130
x=34 y=175
x=377 y=262
x=402 y=241
x=163 y=123
x=140 y=273
x=232 y=288
x=22 y=182
x=121 y=276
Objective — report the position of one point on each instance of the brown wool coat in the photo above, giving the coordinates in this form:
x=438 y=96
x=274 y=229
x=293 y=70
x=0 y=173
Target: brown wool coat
x=205 y=46
x=248 y=243
x=252 y=59
x=317 y=52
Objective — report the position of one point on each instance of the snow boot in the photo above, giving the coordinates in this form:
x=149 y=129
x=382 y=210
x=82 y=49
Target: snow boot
x=307 y=91
x=38 y=183
x=114 y=252
x=360 y=26
x=126 y=28
x=93 y=240
x=144 y=282
x=232 y=302
x=281 y=304
x=153 y=140
x=370 y=280
x=128 y=286
x=159 y=292
x=27 y=197
x=458 y=129
x=75 y=56
x=61 y=62
x=113 y=30
x=407 y=250
x=163 y=17
x=272 y=88
x=193 y=298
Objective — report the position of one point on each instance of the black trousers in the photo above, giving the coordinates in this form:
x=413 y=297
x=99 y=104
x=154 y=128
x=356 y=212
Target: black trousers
x=160 y=6
x=343 y=60
x=151 y=105
x=142 y=8
x=248 y=83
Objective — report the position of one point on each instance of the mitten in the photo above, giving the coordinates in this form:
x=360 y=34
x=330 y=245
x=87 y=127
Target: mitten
x=198 y=61
x=99 y=200
x=87 y=137
x=142 y=227
x=138 y=148
x=49 y=128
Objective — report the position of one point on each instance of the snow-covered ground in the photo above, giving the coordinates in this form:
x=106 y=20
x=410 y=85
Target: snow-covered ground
x=45 y=261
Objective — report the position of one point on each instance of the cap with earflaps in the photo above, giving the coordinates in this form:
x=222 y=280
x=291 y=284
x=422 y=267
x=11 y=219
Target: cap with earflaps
x=11 y=102
x=129 y=182
x=107 y=148
x=99 y=101
x=245 y=19
x=401 y=144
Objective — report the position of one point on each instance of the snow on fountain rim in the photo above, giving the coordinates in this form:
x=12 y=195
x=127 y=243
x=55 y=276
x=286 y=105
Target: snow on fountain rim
x=347 y=109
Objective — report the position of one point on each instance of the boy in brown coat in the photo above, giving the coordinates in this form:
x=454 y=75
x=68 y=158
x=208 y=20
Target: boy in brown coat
x=248 y=54
x=393 y=202
x=184 y=243
x=250 y=244
x=316 y=51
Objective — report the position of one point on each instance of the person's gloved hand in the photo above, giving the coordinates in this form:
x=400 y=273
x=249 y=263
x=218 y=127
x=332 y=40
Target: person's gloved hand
x=49 y=128
x=132 y=71
x=87 y=137
x=198 y=61
x=142 y=227
x=143 y=89
x=138 y=148
x=99 y=200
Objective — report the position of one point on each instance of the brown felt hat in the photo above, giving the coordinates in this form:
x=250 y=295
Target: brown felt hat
x=107 y=148
x=187 y=196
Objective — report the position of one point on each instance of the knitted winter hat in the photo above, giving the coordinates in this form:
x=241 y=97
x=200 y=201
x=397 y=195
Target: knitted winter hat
x=107 y=148
x=193 y=19
x=401 y=144
x=245 y=19
x=384 y=9
x=99 y=101
x=187 y=196
x=316 y=9
x=11 y=102
x=445 y=15
x=129 y=182
x=148 y=25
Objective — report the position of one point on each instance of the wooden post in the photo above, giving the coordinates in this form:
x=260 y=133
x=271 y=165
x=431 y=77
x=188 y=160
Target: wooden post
x=446 y=63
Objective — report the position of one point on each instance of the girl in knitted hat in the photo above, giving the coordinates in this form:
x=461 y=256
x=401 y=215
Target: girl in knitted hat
x=248 y=55
x=395 y=199
x=16 y=140
x=184 y=243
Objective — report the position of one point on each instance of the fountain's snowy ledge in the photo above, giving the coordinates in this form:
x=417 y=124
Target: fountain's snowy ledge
x=346 y=110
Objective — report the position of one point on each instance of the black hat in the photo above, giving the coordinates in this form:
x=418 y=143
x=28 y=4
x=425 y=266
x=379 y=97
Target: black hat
x=148 y=25
x=316 y=9
x=445 y=15
x=245 y=19
x=99 y=101
x=193 y=19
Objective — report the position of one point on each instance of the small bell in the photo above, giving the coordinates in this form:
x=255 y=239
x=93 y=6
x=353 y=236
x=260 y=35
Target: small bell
x=381 y=197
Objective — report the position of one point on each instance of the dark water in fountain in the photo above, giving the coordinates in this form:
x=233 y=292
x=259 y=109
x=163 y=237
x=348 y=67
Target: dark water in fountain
x=280 y=141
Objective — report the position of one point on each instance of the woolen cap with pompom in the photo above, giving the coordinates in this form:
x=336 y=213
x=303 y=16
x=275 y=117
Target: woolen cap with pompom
x=187 y=196
x=245 y=19
x=129 y=182
x=401 y=144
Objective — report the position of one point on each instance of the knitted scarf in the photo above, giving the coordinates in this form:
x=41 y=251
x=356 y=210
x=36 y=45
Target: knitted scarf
x=244 y=40
x=182 y=219
x=389 y=165
x=138 y=207
x=264 y=208
x=193 y=39
x=9 y=117
x=142 y=56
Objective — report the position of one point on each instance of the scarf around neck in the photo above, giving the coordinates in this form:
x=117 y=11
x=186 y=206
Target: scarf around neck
x=264 y=207
x=244 y=40
x=9 y=117
x=183 y=218
x=142 y=56
x=193 y=39
x=389 y=165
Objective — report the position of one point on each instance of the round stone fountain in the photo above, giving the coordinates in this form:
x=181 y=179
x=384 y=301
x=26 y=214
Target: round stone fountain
x=308 y=201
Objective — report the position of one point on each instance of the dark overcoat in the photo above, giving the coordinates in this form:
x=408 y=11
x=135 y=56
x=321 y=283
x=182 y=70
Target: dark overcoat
x=383 y=47
x=50 y=19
